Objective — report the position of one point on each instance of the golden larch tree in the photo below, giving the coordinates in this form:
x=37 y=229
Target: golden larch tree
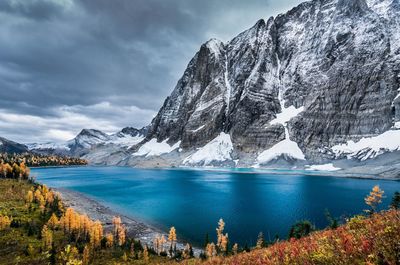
x=53 y=222
x=47 y=238
x=374 y=198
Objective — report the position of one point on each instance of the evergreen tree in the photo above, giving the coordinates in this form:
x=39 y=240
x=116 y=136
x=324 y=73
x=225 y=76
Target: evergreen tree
x=206 y=240
x=301 y=229
x=333 y=223
x=395 y=201
x=260 y=240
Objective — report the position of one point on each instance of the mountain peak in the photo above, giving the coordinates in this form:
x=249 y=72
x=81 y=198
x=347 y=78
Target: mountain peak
x=215 y=46
x=260 y=23
x=91 y=132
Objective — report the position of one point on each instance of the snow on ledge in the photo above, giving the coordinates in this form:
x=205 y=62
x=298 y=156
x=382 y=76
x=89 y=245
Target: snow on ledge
x=219 y=149
x=324 y=167
x=154 y=148
x=370 y=147
x=286 y=115
x=286 y=147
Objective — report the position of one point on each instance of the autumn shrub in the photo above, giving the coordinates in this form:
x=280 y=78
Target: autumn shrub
x=373 y=240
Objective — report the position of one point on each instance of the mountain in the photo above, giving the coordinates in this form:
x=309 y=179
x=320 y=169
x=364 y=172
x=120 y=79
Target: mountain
x=318 y=83
x=90 y=141
x=7 y=146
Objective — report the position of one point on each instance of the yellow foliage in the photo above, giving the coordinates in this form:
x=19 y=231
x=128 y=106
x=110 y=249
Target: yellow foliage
x=47 y=238
x=145 y=254
x=109 y=240
x=53 y=222
x=5 y=222
x=29 y=197
x=96 y=234
x=86 y=256
x=374 y=198
x=172 y=235
x=211 y=250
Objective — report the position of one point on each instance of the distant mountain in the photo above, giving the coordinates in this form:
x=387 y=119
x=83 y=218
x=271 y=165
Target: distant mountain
x=7 y=146
x=90 y=140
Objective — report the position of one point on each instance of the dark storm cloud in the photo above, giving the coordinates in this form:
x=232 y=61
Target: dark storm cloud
x=123 y=57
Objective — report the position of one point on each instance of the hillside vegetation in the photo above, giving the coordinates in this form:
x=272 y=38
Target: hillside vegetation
x=39 y=160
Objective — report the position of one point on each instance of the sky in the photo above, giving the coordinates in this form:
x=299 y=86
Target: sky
x=66 y=65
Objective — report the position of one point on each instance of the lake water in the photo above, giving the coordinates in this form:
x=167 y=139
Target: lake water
x=194 y=200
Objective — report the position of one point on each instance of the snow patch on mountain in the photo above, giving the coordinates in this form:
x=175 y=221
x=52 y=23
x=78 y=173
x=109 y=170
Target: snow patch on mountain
x=286 y=115
x=285 y=148
x=198 y=129
x=369 y=147
x=324 y=167
x=126 y=140
x=218 y=150
x=154 y=148
x=215 y=47
x=379 y=6
x=48 y=145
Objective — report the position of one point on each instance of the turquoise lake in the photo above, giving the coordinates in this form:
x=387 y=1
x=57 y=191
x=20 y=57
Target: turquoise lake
x=194 y=200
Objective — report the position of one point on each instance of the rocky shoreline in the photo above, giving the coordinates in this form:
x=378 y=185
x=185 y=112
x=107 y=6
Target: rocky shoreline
x=97 y=211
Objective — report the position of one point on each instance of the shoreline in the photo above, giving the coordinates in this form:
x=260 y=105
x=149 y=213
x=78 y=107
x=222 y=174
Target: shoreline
x=97 y=211
x=342 y=173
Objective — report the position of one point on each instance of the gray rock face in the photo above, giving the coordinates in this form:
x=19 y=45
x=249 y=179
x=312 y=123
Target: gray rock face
x=7 y=146
x=339 y=59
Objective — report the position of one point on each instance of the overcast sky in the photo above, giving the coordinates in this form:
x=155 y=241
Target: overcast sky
x=104 y=64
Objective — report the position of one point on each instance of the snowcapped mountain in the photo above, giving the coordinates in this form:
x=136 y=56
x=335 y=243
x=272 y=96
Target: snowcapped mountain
x=8 y=146
x=318 y=83
x=89 y=141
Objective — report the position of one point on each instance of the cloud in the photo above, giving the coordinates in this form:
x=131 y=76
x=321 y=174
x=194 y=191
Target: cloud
x=67 y=121
x=73 y=56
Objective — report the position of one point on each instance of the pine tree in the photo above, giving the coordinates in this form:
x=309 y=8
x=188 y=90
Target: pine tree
x=260 y=241
x=211 y=250
x=206 y=241
x=145 y=254
x=109 y=240
x=162 y=243
x=395 y=204
x=86 y=255
x=53 y=222
x=132 y=250
x=222 y=239
x=186 y=252
x=172 y=238
x=47 y=238
x=235 y=249
x=96 y=234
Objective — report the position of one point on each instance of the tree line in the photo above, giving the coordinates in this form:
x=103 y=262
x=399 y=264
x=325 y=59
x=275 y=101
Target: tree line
x=39 y=160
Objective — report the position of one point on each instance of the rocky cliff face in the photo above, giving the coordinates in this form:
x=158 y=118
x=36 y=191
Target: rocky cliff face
x=324 y=73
